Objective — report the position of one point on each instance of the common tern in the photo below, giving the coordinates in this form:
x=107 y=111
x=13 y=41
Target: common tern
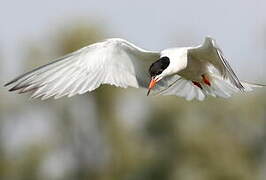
x=189 y=72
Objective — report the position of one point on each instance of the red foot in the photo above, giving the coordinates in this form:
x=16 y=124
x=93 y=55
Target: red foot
x=197 y=84
x=205 y=80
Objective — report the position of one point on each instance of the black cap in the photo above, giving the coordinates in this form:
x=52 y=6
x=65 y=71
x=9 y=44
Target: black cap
x=159 y=66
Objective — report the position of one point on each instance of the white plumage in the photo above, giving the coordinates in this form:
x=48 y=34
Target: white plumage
x=120 y=63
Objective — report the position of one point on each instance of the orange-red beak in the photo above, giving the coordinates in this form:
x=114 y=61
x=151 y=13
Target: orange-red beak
x=151 y=85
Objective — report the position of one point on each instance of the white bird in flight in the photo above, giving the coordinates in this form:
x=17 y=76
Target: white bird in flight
x=189 y=72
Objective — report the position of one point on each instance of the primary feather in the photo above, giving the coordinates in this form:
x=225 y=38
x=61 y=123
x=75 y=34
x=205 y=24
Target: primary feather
x=114 y=61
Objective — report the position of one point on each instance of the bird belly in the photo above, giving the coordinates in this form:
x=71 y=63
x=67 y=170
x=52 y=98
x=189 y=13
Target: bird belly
x=194 y=71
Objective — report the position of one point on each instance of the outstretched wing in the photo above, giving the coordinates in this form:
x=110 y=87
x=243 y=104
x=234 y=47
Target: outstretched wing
x=211 y=53
x=114 y=61
x=178 y=86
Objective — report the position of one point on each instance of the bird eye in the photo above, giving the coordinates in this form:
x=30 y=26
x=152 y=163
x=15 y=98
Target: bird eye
x=159 y=72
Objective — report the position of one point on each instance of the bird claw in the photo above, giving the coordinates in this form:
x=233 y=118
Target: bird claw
x=206 y=80
x=197 y=84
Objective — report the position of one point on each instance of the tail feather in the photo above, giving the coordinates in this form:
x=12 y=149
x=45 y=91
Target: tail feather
x=224 y=88
x=250 y=86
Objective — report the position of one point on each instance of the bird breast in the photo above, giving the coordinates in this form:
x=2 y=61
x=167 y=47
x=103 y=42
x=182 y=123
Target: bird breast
x=194 y=70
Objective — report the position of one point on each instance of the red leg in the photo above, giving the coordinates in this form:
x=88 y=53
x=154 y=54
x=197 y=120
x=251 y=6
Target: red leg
x=205 y=80
x=197 y=84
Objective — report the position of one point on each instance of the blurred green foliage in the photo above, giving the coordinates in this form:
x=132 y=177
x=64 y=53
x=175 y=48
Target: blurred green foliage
x=223 y=139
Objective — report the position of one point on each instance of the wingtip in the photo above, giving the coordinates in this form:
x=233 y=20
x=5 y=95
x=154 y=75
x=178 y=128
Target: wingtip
x=251 y=86
x=7 y=84
x=208 y=37
x=17 y=87
x=13 y=89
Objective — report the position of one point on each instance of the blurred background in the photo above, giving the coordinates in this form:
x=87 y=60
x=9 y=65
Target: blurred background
x=117 y=134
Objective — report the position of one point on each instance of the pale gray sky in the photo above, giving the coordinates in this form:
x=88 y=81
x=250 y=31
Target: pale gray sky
x=237 y=25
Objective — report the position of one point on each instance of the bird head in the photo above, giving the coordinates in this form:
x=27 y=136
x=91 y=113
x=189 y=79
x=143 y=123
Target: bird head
x=156 y=71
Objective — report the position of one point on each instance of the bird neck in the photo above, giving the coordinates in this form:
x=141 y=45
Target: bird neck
x=178 y=59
